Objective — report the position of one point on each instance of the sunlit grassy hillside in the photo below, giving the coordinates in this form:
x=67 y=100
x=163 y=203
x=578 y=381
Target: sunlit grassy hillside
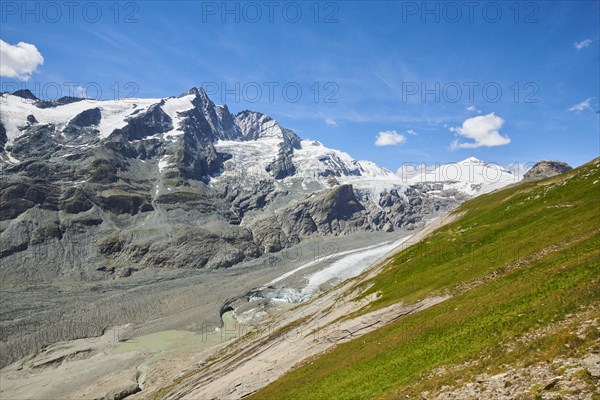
x=517 y=262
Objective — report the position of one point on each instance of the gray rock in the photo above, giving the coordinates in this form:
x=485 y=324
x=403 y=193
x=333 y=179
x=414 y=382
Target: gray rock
x=25 y=94
x=58 y=102
x=86 y=118
x=546 y=169
x=3 y=137
x=592 y=364
x=122 y=392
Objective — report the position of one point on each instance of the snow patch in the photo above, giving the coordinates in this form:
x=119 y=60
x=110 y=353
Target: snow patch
x=249 y=159
x=163 y=163
x=172 y=107
x=14 y=112
x=11 y=159
x=313 y=160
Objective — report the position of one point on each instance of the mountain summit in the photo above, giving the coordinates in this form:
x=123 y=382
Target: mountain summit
x=546 y=169
x=471 y=176
x=101 y=189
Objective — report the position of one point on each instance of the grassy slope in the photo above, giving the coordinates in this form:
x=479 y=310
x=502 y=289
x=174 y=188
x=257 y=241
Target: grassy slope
x=517 y=261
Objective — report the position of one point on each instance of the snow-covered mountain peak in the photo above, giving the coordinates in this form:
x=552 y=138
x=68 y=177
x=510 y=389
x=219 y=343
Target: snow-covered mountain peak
x=197 y=92
x=243 y=184
x=248 y=140
x=471 y=176
x=471 y=160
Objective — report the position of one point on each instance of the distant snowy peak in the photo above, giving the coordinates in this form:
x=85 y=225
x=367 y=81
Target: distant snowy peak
x=313 y=160
x=197 y=92
x=471 y=176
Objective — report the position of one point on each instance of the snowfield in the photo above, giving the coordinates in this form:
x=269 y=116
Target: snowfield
x=471 y=176
x=14 y=112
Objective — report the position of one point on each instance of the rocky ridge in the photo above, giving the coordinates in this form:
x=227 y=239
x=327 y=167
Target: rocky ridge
x=546 y=169
x=97 y=189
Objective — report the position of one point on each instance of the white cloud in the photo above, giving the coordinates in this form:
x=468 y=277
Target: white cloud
x=484 y=130
x=389 y=138
x=584 y=105
x=473 y=109
x=19 y=61
x=330 y=122
x=583 y=44
x=411 y=132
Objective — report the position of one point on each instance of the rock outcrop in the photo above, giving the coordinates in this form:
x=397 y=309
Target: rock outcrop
x=546 y=169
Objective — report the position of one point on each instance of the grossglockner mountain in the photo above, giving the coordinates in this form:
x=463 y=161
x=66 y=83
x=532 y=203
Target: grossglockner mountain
x=97 y=189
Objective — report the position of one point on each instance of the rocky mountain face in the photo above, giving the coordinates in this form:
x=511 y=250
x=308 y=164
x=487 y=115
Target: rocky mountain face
x=100 y=189
x=546 y=169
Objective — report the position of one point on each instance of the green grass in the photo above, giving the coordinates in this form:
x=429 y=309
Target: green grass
x=495 y=230
x=537 y=244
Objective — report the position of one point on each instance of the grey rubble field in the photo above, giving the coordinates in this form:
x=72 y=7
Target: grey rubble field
x=152 y=300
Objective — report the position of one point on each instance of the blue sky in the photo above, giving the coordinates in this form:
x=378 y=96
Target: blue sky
x=412 y=77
